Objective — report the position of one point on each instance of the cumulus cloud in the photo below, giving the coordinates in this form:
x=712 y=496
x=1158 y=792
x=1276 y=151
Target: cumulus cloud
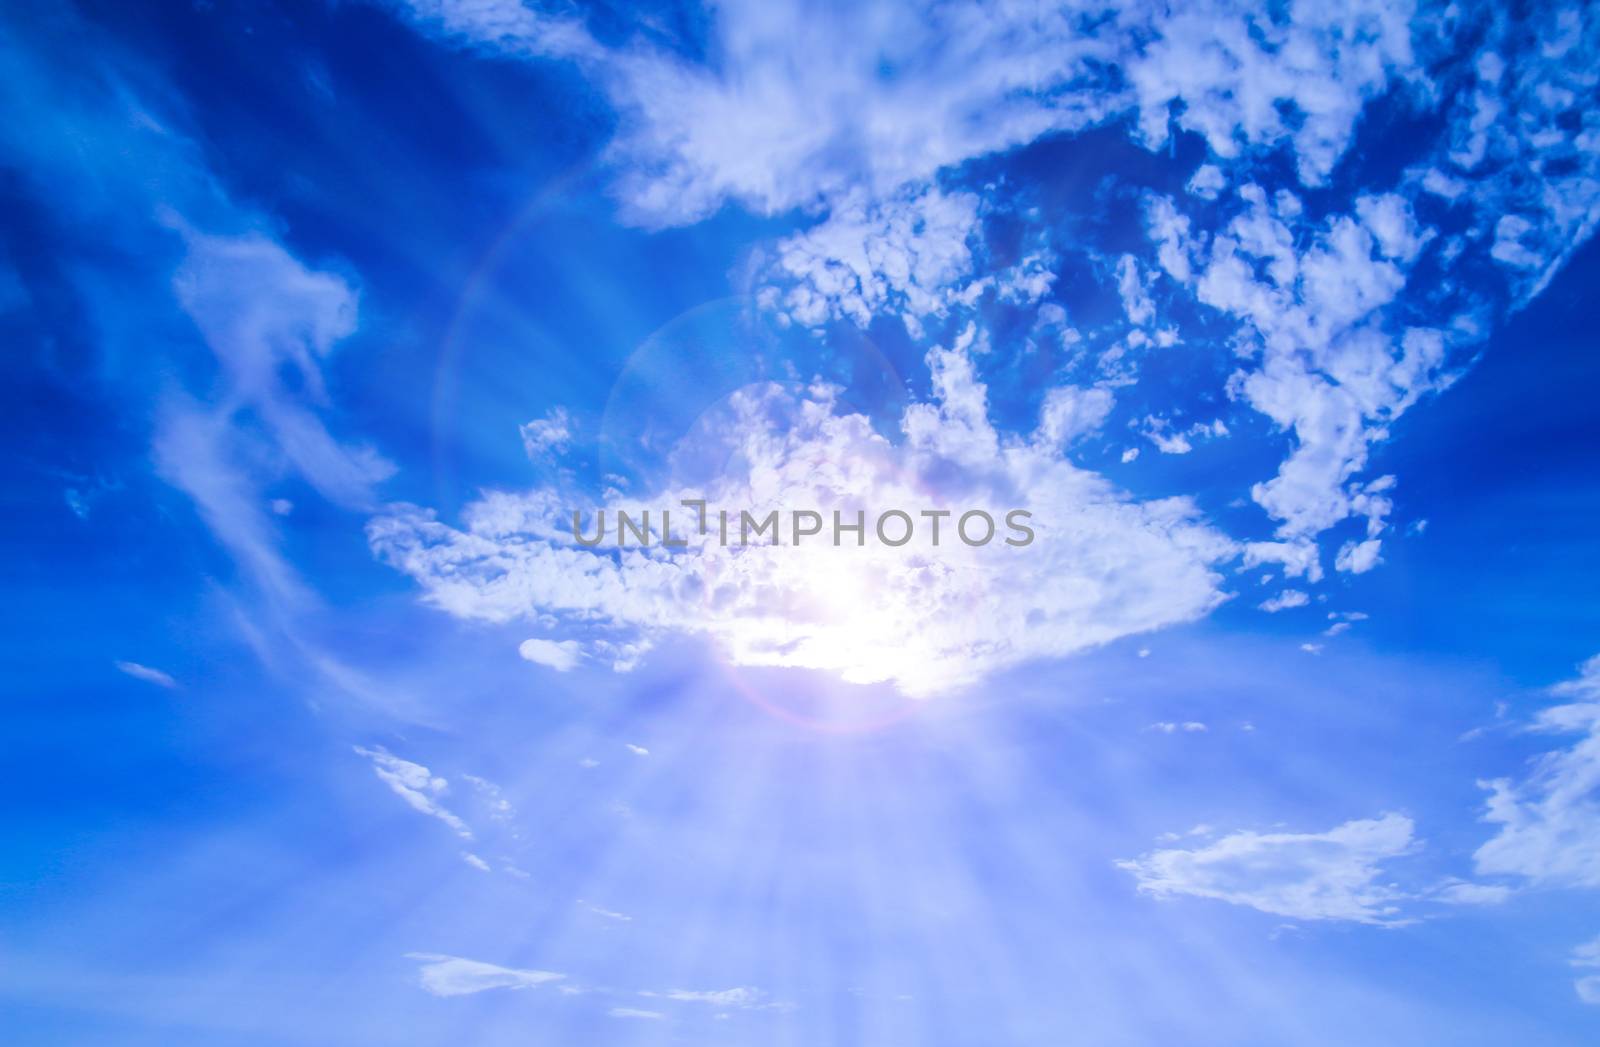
x=1207 y=181
x=1334 y=875
x=1103 y=565
x=909 y=254
x=560 y=655
x=1239 y=70
x=444 y=975
x=1358 y=557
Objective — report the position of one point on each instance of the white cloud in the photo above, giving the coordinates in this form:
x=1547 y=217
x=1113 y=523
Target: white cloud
x=741 y=998
x=1462 y=892
x=509 y=25
x=1207 y=182
x=1237 y=70
x=1285 y=600
x=266 y=316
x=774 y=133
x=1522 y=152
x=444 y=975
x=909 y=254
x=1550 y=818
x=1168 y=440
x=268 y=320
x=1071 y=412
x=637 y=750
x=1307 y=876
x=147 y=674
x=1102 y=565
x=1299 y=558
x=414 y=784
x=1584 y=957
x=560 y=655
x=862 y=122
x=634 y=1012
x=1358 y=557
x=545 y=438
x=1136 y=303
x=474 y=861
x=607 y=913
x=881 y=96
x=499 y=808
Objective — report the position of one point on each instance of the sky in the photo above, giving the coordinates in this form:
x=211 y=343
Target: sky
x=325 y=724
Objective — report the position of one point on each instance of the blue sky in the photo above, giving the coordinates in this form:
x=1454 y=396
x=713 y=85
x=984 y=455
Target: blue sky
x=323 y=319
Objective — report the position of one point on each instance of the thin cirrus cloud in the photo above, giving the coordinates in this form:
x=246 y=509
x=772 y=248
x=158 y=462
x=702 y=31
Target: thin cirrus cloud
x=147 y=674
x=444 y=975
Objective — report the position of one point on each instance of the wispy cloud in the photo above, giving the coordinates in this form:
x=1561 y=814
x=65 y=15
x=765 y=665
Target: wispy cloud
x=147 y=674
x=1332 y=875
x=1549 y=821
x=444 y=975
x=416 y=785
